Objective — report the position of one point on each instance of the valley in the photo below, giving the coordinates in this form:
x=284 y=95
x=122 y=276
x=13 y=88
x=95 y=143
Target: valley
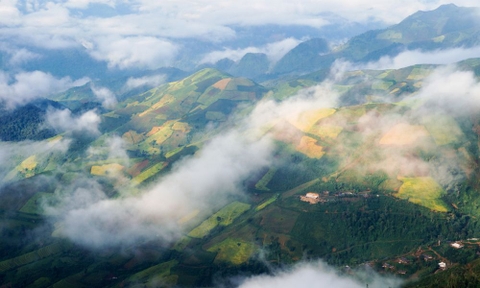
x=222 y=173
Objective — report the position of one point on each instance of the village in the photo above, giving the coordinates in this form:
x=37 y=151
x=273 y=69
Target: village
x=327 y=196
x=437 y=257
x=430 y=257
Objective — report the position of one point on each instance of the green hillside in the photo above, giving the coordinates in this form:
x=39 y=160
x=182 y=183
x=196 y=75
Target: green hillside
x=365 y=169
x=446 y=27
x=379 y=211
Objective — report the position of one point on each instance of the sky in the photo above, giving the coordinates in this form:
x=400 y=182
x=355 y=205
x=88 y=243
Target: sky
x=139 y=35
x=147 y=34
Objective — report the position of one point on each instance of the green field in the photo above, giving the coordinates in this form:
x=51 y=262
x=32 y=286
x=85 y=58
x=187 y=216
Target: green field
x=31 y=257
x=267 y=202
x=443 y=128
x=153 y=276
x=34 y=204
x=152 y=171
x=234 y=251
x=424 y=191
x=224 y=217
x=263 y=183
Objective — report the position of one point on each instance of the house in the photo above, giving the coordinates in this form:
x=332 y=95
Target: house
x=388 y=266
x=312 y=198
x=456 y=245
x=427 y=257
x=312 y=195
x=403 y=260
x=442 y=265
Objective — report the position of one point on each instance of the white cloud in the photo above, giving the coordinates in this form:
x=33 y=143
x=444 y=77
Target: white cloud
x=12 y=153
x=233 y=54
x=154 y=214
x=22 y=56
x=25 y=86
x=451 y=90
x=152 y=26
x=274 y=51
x=317 y=275
x=413 y=57
x=134 y=52
x=82 y=4
x=146 y=36
x=64 y=121
x=146 y=81
x=17 y=56
x=105 y=95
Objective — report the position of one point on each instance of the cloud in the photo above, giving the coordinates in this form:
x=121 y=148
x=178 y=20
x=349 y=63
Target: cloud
x=64 y=121
x=450 y=90
x=82 y=4
x=274 y=51
x=17 y=56
x=233 y=54
x=23 y=87
x=113 y=148
x=202 y=182
x=146 y=35
x=413 y=57
x=13 y=153
x=230 y=158
x=269 y=112
x=105 y=95
x=318 y=275
x=134 y=52
x=146 y=81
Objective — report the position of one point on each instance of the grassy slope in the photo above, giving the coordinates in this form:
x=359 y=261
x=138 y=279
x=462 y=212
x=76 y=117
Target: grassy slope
x=370 y=227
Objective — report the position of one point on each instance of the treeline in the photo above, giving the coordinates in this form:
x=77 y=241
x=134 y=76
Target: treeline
x=24 y=123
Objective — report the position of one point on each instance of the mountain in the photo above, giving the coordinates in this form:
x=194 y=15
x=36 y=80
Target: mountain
x=192 y=179
x=307 y=56
x=251 y=65
x=446 y=27
x=83 y=98
x=326 y=152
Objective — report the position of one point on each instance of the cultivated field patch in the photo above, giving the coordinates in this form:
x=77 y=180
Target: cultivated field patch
x=224 y=217
x=107 y=169
x=28 y=165
x=155 y=275
x=263 y=183
x=306 y=120
x=149 y=172
x=424 y=191
x=403 y=134
x=309 y=147
x=267 y=202
x=235 y=251
x=443 y=128
x=326 y=131
x=222 y=84
x=34 y=205
x=132 y=137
